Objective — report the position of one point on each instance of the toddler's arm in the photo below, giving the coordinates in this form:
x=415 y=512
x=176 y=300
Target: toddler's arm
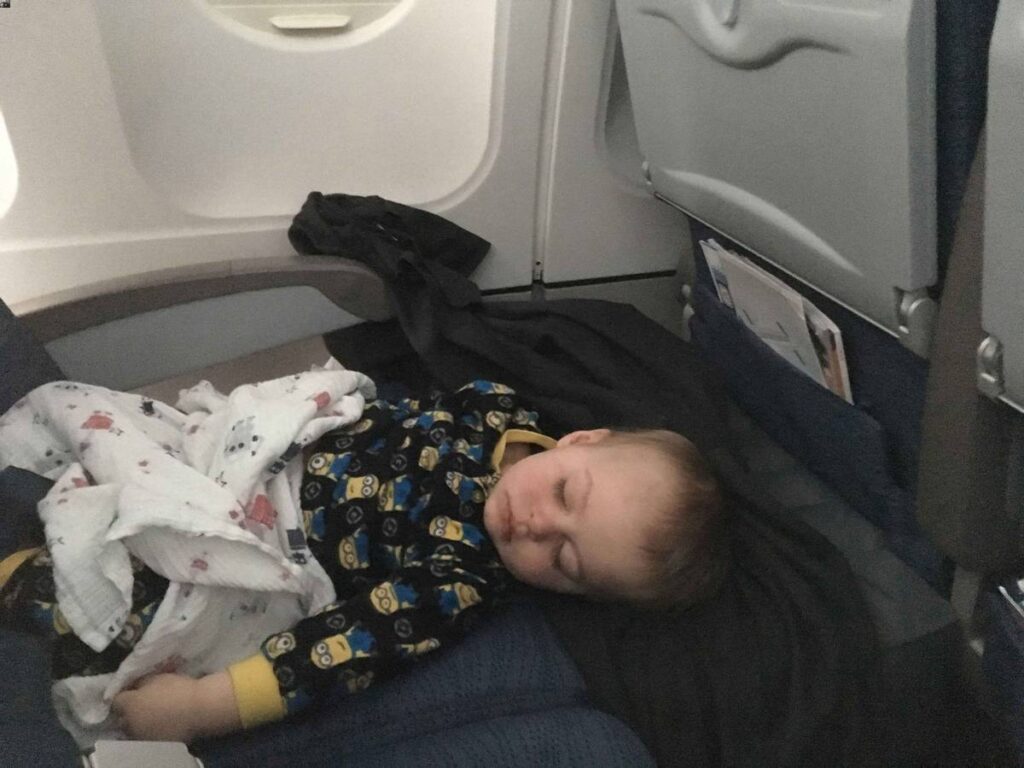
x=177 y=708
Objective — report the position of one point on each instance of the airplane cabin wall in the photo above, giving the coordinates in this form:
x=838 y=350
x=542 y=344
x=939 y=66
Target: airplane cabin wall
x=150 y=144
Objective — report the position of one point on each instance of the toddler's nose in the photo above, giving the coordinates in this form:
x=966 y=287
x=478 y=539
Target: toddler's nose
x=539 y=524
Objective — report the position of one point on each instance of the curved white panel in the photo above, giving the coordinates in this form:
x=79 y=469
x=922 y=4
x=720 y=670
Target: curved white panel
x=1003 y=280
x=8 y=169
x=225 y=121
x=801 y=128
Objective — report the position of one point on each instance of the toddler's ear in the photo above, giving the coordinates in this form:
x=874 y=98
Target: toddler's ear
x=584 y=436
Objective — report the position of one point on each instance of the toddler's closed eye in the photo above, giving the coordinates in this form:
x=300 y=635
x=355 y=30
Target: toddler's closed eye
x=560 y=492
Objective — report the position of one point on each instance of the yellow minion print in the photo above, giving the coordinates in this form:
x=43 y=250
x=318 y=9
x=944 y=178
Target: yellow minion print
x=389 y=597
x=354 y=644
x=464 y=487
x=331 y=652
x=328 y=464
x=496 y=420
x=445 y=528
x=485 y=387
x=386 y=497
x=279 y=644
x=420 y=648
x=319 y=464
x=314 y=524
x=360 y=426
x=452 y=599
x=353 y=551
x=61 y=626
x=435 y=416
x=427 y=419
x=429 y=457
x=362 y=487
x=394 y=494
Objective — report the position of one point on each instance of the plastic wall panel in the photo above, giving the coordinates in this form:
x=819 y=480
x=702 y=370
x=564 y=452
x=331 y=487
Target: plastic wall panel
x=104 y=188
x=601 y=219
x=1003 y=280
x=804 y=130
x=247 y=122
x=8 y=169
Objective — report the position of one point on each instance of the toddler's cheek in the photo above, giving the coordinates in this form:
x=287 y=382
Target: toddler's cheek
x=528 y=568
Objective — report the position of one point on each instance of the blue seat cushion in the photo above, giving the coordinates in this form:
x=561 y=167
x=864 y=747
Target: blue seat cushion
x=508 y=695
x=30 y=735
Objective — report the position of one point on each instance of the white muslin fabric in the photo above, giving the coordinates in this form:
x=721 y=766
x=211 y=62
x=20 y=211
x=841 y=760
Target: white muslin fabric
x=206 y=494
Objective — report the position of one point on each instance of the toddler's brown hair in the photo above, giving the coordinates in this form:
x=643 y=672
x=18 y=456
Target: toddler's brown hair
x=688 y=553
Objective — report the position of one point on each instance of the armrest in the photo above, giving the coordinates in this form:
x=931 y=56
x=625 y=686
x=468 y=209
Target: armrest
x=345 y=282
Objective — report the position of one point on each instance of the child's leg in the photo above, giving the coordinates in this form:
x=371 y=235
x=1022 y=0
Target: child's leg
x=28 y=602
x=21 y=532
x=28 y=599
x=18 y=572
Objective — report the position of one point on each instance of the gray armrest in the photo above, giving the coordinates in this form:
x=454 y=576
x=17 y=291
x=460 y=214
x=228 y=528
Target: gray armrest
x=346 y=283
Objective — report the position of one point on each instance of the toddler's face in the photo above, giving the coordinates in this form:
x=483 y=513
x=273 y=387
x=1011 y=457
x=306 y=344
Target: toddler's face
x=575 y=517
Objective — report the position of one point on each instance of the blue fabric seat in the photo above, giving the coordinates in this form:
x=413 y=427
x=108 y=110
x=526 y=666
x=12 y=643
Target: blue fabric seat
x=505 y=696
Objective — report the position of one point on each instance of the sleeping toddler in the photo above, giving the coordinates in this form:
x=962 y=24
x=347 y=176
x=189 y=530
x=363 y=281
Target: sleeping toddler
x=425 y=515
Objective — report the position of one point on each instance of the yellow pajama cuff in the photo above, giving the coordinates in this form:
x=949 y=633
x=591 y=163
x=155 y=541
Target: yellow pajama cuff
x=256 y=692
x=10 y=564
x=519 y=436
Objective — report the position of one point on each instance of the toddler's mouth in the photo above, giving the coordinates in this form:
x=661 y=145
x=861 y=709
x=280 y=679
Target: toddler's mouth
x=506 y=520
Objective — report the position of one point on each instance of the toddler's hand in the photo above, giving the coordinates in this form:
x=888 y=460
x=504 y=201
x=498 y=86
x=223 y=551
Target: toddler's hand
x=170 y=707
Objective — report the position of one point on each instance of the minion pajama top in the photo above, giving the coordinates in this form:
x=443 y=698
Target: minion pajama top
x=393 y=509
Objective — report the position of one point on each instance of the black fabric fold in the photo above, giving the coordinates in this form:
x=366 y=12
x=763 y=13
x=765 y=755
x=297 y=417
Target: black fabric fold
x=779 y=668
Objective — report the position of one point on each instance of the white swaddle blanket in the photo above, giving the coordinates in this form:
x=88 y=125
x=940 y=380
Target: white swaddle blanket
x=205 y=495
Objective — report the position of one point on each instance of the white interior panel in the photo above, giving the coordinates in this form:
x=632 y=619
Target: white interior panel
x=167 y=136
x=8 y=169
x=804 y=130
x=1003 y=281
x=246 y=122
x=601 y=219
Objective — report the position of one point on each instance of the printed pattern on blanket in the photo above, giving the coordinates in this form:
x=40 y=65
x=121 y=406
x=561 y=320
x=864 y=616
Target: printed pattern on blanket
x=204 y=495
